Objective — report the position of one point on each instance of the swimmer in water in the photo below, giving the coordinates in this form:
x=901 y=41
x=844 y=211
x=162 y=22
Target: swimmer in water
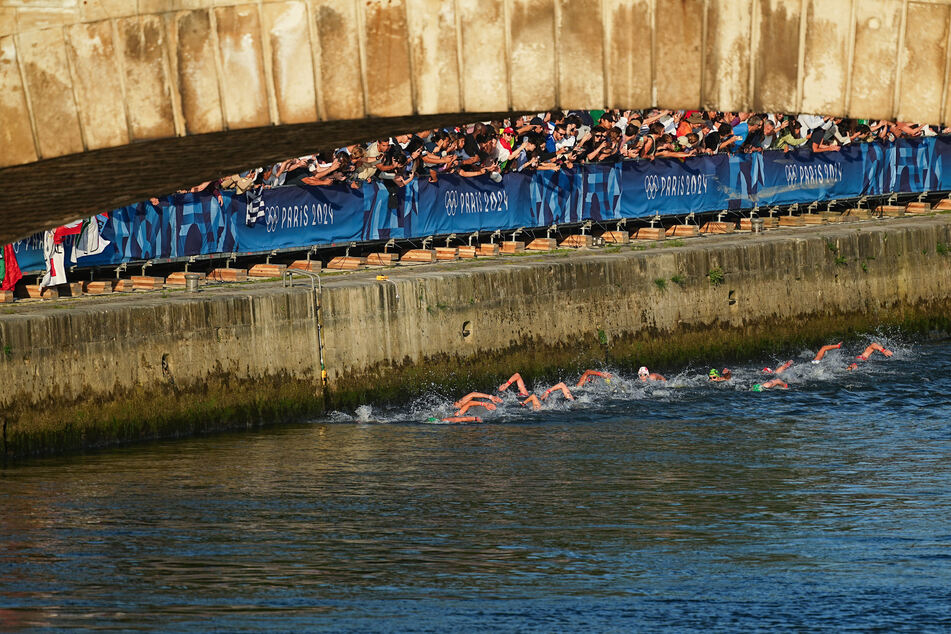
x=780 y=369
x=536 y=402
x=473 y=403
x=590 y=374
x=471 y=396
x=717 y=377
x=555 y=388
x=759 y=387
x=468 y=402
x=459 y=419
x=533 y=400
x=646 y=375
x=517 y=379
x=872 y=349
x=824 y=349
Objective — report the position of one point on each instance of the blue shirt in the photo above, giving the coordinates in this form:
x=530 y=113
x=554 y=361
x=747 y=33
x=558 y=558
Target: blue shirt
x=550 y=144
x=741 y=130
x=521 y=160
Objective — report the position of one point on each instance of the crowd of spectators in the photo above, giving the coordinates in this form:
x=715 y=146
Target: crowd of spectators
x=556 y=139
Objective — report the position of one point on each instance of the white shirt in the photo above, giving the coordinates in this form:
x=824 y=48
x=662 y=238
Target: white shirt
x=810 y=122
x=669 y=126
x=567 y=142
x=499 y=153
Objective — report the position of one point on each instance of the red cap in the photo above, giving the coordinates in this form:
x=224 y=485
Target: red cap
x=508 y=131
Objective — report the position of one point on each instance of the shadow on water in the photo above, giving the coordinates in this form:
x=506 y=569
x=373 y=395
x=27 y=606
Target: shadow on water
x=689 y=505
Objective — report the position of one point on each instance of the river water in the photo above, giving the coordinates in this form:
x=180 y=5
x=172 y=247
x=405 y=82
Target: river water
x=685 y=506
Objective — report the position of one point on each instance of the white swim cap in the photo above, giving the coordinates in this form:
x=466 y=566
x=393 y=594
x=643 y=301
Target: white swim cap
x=643 y=371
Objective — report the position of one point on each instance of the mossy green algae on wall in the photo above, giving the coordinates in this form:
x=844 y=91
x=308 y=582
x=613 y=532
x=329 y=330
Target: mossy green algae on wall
x=99 y=372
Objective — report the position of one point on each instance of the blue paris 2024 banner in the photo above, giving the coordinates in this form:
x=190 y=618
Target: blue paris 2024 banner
x=299 y=217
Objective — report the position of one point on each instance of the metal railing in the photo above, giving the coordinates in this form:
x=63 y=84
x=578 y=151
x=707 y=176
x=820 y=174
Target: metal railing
x=287 y=278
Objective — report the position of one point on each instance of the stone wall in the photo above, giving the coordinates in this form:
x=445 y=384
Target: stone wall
x=79 y=75
x=96 y=372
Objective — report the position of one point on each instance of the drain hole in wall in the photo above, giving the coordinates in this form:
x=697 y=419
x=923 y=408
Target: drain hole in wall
x=466 y=329
x=732 y=298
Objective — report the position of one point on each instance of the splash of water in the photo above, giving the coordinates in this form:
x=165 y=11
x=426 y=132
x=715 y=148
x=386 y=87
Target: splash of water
x=432 y=407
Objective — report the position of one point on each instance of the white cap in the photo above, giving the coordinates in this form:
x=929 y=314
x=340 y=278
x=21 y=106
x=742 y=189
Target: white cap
x=642 y=371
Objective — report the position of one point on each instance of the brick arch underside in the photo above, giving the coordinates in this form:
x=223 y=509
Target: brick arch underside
x=47 y=194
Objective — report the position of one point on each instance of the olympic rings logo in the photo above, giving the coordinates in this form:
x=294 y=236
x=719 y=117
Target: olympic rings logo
x=451 y=200
x=270 y=218
x=651 y=186
x=791 y=176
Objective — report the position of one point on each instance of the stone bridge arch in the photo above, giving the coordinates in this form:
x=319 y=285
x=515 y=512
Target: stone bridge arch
x=105 y=102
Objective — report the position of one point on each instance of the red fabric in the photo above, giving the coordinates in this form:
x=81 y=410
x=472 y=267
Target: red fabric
x=68 y=230
x=12 y=273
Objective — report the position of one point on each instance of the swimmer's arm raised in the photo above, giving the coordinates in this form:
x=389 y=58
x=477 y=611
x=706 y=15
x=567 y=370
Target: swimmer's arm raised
x=533 y=400
x=589 y=374
x=465 y=408
x=517 y=379
x=558 y=386
x=476 y=395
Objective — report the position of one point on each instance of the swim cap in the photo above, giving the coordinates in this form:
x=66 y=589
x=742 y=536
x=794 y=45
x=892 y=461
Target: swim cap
x=757 y=388
x=643 y=371
x=432 y=419
x=713 y=373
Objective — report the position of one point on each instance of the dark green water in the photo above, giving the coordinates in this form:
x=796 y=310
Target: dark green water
x=688 y=507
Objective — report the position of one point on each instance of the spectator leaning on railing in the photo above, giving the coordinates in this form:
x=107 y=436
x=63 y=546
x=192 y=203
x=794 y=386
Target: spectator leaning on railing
x=556 y=139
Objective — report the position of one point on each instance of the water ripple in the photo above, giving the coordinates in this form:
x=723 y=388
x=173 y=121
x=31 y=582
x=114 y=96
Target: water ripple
x=692 y=507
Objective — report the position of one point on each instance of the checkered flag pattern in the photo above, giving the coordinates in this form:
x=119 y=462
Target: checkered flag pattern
x=255 y=210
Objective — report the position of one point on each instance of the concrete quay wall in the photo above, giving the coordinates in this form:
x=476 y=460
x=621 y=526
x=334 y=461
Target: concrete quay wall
x=92 y=372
